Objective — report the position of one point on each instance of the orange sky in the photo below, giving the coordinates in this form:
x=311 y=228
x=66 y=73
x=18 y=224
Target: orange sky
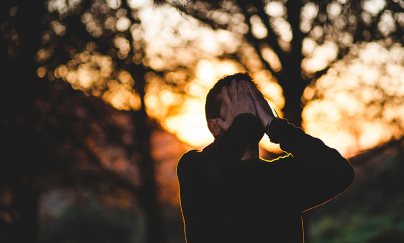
x=342 y=108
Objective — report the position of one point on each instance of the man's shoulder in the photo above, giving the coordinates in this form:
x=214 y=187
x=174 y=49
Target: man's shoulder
x=185 y=164
x=192 y=154
x=186 y=158
x=188 y=155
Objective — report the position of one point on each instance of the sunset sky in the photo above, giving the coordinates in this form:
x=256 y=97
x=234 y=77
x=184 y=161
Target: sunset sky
x=341 y=108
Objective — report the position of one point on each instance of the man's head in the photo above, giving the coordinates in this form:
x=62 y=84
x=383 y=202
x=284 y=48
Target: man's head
x=213 y=106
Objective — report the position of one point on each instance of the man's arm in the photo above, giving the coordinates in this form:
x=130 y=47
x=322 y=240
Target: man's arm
x=317 y=172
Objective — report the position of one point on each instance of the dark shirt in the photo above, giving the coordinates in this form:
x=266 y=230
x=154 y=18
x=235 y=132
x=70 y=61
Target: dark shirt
x=226 y=199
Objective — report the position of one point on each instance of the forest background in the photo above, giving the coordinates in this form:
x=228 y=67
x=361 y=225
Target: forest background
x=101 y=98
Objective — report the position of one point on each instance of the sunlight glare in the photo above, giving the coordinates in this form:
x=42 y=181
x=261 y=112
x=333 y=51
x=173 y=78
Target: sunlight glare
x=62 y=6
x=275 y=9
x=321 y=57
x=137 y=3
x=387 y=24
x=282 y=28
x=334 y=9
x=114 y=4
x=309 y=11
x=308 y=46
x=93 y=73
x=373 y=6
x=189 y=123
x=123 y=24
x=362 y=98
x=273 y=60
x=41 y=72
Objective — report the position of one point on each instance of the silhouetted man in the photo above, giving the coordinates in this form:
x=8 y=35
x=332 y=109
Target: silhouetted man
x=229 y=194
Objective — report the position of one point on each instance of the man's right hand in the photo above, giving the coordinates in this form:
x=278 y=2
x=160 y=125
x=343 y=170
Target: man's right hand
x=236 y=100
x=264 y=111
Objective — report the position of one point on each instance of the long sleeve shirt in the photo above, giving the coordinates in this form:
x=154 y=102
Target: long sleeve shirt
x=226 y=199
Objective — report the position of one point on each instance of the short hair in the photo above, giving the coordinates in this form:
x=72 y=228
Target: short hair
x=213 y=104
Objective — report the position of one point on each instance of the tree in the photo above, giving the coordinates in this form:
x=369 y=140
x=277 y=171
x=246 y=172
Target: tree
x=56 y=135
x=298 y=41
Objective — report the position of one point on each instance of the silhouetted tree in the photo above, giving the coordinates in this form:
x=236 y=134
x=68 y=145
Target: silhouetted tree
x=55 y=135
x=284 y=34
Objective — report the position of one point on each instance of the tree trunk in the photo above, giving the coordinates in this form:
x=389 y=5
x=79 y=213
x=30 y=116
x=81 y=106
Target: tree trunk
x=21 y=85
x=155 y=231
x=290 y=79
x=26 y=229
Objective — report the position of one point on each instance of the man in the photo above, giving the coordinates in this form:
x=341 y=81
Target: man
x=229 y=194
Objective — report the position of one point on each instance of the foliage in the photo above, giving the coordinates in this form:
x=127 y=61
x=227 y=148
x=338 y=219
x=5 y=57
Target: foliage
x=56 y=136
x=362 y=95
x=300 y=41
x=85 y=219
x=371 y=210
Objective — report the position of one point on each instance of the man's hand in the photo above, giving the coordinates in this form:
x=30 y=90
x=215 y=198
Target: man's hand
x=236 y=100
x=264 y=111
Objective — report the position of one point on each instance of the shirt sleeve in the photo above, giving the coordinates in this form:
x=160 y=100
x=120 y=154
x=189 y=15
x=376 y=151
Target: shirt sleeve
x=201 y=173
x=317 y=173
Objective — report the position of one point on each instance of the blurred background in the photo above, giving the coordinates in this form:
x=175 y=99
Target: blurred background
x=100 y=98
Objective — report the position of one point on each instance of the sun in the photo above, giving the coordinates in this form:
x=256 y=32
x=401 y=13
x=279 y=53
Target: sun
x=189 y=122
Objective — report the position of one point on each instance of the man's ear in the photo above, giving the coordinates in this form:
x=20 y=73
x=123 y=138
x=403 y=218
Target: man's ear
x=214 y=128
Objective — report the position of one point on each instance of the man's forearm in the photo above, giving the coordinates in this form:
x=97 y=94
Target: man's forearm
x=312 y=154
